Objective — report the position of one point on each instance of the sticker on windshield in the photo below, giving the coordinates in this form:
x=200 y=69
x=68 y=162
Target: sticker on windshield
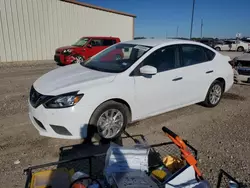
x=143 y=48
x=124 y=64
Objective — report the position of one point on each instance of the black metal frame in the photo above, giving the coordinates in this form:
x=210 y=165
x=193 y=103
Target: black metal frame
x=90 y=158
x=229 y=177
x=28 y=172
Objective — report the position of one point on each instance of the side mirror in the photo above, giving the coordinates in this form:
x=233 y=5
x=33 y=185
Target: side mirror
x=148 y=70
x=89 y=46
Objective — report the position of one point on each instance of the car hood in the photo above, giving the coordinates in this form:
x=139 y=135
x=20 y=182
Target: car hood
x=65 y=47
x=71 y=78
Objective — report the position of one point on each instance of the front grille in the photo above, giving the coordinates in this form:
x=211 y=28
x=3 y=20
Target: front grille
x=245 y=72
x=36 y=98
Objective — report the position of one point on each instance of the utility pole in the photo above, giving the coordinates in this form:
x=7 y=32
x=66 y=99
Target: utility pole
x=201 y=26
x=192 y=20
x=177 y=31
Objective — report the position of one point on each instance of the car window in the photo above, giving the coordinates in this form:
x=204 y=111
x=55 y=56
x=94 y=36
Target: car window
x=96 y=42
x=204 y=41
x=108 y=42
x=81 y=42
x=163 y=59
x=210 y=54
x=192 y=54
x=117 y=58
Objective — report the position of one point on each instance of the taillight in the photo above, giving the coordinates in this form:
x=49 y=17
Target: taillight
x=231 y=63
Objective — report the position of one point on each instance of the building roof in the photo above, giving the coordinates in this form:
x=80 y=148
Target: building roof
x=98 y=8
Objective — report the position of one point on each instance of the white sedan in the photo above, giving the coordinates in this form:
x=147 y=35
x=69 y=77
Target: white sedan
x=124 y=83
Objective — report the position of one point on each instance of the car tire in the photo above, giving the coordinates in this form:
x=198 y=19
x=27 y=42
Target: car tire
x=107 y=107
x=214 y=94
x=240 y=49
x=79 y=59
x=217 y=49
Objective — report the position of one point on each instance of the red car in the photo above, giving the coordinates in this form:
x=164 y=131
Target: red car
x=83 y=49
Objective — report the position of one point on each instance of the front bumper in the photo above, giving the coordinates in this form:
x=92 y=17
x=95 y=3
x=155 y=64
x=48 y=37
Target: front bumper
x=242 y=75
x=57 y=59
x=66 y=123
x=64 y=59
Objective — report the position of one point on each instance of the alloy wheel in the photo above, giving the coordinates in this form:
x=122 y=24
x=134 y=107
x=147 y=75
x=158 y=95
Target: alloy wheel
x=110 y=123
x=215 y=94
x=79 y=59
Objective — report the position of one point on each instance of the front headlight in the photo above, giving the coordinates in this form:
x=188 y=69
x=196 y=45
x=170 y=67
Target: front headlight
x=63 y=101
x=67 y=51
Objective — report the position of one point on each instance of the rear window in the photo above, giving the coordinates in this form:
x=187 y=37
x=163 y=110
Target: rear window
x=210 y=54
x=108 y=42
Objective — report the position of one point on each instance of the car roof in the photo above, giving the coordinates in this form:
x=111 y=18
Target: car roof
x=103 y=37
x=157 y=42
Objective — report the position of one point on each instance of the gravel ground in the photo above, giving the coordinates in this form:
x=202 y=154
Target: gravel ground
x=221 y=135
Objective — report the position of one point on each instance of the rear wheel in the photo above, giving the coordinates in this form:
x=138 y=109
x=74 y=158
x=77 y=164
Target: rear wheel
x=109 y=120
x=240 y=49
x=217 y=49
x=214 y=94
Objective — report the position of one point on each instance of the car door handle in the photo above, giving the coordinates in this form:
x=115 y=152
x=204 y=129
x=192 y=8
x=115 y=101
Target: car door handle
x=208 y=72
x=176 y=79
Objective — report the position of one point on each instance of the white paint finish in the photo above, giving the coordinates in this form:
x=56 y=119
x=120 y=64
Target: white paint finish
x=146 y=95
x=234 y=46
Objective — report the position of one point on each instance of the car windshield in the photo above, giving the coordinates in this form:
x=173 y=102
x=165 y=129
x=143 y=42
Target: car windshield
x=117 y=58
x=81 y=42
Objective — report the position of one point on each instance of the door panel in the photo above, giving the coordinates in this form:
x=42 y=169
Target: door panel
x=96 y=47
x=158 y=93
x=225 y=47
x=197 y=71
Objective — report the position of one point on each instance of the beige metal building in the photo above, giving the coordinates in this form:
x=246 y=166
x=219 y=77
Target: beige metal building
x=33 y=29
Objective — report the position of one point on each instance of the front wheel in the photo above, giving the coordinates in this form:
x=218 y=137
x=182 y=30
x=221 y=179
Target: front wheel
x=214 y=94
x=109 y=120
x=78 y=59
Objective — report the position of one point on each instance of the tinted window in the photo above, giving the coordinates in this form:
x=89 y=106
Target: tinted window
x=108 y=42
x=205 y=41
x=163 y=59
x=117 y=58
x=96 y=42
x=228 y=42
x=192 y=54
x=210 y=54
